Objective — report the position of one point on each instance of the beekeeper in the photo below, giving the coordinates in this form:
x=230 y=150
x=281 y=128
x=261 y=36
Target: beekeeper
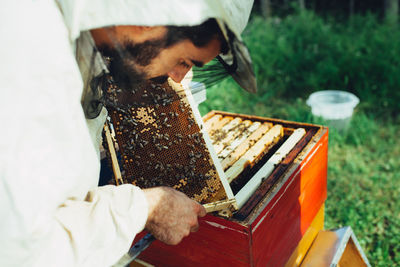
x=52 y=211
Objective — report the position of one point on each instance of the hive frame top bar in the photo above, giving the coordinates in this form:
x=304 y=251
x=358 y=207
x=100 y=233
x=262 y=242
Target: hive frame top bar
x=244 y=194
x=285 y=123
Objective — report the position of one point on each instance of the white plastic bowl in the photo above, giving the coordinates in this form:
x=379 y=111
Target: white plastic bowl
x=334 y=106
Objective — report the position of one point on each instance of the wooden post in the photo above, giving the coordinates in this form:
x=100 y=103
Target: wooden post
x=266 y=9
x=391 y=11
x=302 y=5
x=351 y=8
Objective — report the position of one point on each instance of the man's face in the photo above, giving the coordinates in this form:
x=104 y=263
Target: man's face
x=136 y=53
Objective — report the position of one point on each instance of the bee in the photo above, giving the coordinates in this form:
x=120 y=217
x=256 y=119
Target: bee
x=158 y=146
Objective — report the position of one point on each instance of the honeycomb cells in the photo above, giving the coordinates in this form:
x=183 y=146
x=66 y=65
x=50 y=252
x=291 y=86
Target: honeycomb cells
x=160 y=143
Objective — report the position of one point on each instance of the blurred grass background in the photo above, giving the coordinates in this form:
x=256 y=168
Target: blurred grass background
x=302 y=53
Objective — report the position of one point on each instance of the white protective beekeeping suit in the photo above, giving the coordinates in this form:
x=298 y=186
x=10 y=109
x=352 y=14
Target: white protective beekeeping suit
x=52 y=212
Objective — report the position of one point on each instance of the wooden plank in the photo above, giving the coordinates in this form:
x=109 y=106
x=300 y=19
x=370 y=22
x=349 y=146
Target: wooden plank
x=277 y=233
x=140 y=263
x=232 y=134
x=114 y=160
x=284 y=123
x=219 y=205
x=219 y=124
x=220 y=133
x=335 y=248
x=271 y=137
x=242 y=148
x=307 y=240
x=244 y=194
x=239 y=140
x=260 y=193
x=210 y=123
x=351 y=256
x=207 y=247
x=208 y=115
x=286 y=217
x=196 y=113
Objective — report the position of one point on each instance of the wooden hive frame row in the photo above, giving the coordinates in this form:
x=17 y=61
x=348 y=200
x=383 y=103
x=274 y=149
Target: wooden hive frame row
x=240 y=143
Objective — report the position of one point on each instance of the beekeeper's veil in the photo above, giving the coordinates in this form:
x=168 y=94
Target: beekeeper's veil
x=231 y=15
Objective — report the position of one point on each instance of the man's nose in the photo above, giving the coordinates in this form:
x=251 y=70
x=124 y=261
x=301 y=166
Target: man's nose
x=178 y=74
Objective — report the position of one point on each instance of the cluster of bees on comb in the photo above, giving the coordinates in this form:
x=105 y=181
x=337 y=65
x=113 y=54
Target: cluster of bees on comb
x=240 y=143
x=159 y=142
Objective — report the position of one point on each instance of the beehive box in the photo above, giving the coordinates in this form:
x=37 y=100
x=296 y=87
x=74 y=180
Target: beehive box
x=269 y=225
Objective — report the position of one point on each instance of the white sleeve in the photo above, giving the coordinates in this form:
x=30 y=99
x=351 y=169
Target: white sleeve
x=101 y=228
x=96 y=231
x=51 y=211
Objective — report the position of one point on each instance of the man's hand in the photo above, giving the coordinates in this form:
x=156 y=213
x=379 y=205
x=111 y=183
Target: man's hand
x=172 y=215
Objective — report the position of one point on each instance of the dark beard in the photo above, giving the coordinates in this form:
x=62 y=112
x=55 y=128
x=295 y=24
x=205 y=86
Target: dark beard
x=122 y=60
x=122 y=68
x=160 y=79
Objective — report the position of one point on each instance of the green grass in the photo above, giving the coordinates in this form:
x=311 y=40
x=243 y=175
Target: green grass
x=299 y=55
x=304 y=53
x=364 y=187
